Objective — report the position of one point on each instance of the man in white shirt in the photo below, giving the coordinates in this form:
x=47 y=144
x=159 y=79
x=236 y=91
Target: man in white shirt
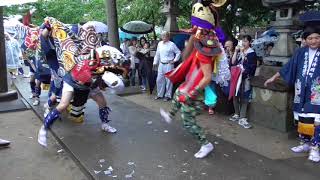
x=167 y=54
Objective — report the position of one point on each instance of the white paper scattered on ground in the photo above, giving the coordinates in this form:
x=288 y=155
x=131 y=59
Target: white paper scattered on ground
x=184 y=171
x=131 y=163
x=165 y=131
x=110 y=168
x=216 y=142
x=234 y=151
x=218 y=135
x=114 y=176
x=204 y=173
x=129 y=175
x=96 y=172
x=185 y=150
x=60 y=151
x=102 y=161
x=185 y=164
x=30 y=137
x=160 y=166
x=107 y=172
x=226 y=155
x=149 y=122
x=100 y=165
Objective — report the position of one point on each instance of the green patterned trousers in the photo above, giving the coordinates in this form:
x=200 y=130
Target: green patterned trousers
x=188 y=115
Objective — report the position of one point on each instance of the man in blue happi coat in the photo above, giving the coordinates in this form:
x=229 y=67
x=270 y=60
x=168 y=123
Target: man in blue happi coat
x=55 y=91
x=303 y=72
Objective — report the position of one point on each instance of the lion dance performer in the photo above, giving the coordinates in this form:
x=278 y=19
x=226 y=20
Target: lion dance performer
x=196 y=72
x=85 y=75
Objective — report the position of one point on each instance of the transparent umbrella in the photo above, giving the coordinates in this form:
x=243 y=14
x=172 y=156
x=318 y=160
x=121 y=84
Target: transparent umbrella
x=100 y=27
x=137 y=27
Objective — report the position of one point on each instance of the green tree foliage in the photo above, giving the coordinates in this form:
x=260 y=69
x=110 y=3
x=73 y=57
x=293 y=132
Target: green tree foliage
x=67 y=11
x=75 y=11
x=144 y=10
x=150 y=11
x=239 y=13
x=235 y=13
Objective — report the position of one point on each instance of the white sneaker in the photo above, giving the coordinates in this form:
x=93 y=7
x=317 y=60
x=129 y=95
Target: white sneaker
x=106 y=127
x=42 y=136
x=204 y=151
x=31 y=96
x=301 y=148
x=165 y=115
x=36 y=102
x=314 y=154
x=26 y=76
x=244 y=123
x=4 y=143
x=234 y=118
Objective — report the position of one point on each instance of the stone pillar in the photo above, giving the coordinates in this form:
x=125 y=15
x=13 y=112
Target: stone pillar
x=5 y=95
x=170 y=9
x=112 y=21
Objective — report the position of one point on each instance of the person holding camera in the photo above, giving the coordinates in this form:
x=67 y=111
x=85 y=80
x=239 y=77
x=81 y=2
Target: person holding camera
x=244 y=58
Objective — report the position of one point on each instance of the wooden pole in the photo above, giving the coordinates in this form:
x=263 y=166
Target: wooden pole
x=3 y=64
x=112 y=19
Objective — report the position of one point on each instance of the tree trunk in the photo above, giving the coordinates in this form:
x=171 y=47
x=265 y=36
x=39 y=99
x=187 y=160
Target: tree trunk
x=154 y=27
x=112 y=19
x=3 y=64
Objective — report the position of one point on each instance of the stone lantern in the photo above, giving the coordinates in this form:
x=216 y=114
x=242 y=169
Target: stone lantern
x=170 y=9
x=285 y=24
x=272 y=106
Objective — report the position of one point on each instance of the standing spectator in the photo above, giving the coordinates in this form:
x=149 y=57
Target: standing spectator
x=135 y=62
x=247 y=61
x=144 y=48
x=229 y=46
x=13 y=55
x=167 y=54
x=125 y=48
x=143 y=40
x=145 y=69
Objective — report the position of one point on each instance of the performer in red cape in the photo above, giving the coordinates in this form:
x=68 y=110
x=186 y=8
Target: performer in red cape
x=196 y=72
